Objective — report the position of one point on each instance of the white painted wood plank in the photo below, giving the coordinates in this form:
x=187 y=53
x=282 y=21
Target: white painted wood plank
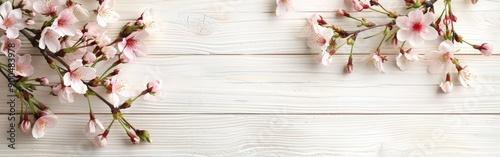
x=250 y=27
x=293 y=84
x=276 y=135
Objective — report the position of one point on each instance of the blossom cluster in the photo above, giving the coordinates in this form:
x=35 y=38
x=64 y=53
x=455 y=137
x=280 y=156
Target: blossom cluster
x=73 y=53
x=404 y=32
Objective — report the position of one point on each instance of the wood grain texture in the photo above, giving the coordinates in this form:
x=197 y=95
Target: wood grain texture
x=294 y=84
x=269 y=135
x=242 y=82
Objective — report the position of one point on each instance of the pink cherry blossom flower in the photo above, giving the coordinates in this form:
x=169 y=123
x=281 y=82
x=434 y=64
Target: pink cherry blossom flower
x=106 y=14
x=376 y=60
x=405 y=60
x=64 y=94
x=91 y=29
x=10 y=44
x=76 y=74
x=485 y=48
x=47 y=7
x=26 y=123
x=150 y=24
x=284 y=6
x=416 y=28
x=116 y=87
x=312 y=22
x=466 y=77
x=12 y=20
x=441 y=61
x=132 y=46
x=93 y=123
x=101 y=139
x=64 y=23
x=50 y=38
x=45 y=121
x=447 y=85
x=154 y=91
x=109 y=52
x=23 y=66
x=133 y=137
x=321 y=39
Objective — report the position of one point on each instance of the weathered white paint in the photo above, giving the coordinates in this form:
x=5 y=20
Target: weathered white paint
x=275 y=100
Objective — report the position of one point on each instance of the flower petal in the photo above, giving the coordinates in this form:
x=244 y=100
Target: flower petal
x=415 y=40
x=404 y=35
x=402 y=22
x=445 y=46
x=429 y=33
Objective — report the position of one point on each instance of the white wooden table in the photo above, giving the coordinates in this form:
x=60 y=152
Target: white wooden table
x=242 y=82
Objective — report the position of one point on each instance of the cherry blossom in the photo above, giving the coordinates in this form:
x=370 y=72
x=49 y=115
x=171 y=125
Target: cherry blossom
x=132 y=46
x=485 y=48
x=106 y=14
x=64 y=23
x=50 y=38
x=64 y=94
x=376 y=60
x=149 y=23
x=101 y=140
x=47 y=7
x=312 y=22
x=93 y=123
x=78 y=7
x=416 y=28
x=116 y=87
x=7 y=44
x=325 y=57
x=321 y=39
x=284 y=6
x=47 y=120
x=76 y=74
x=154 y=91
x=12 y=20
x=447 y=85
x=466 y=77
x=405 y=59
x=23 y=66
x=26 y=123
x=441 y=61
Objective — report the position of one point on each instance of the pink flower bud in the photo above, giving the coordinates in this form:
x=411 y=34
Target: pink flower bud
x=447 y=20
x=485 y=49
x=30 y=22
x=447 y=86
x=154 y=86
x=342 y=12
x=133 y=137
x=100 y=140
x=473 y=1
x=349 y=67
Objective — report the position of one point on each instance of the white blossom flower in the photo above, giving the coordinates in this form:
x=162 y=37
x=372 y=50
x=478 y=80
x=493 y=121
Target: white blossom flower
x=416 y=28
x=147 y=19
x=441 y=61
x=76 y=74
x=284 y=6
x=23 y=66
x=48 y=120
x=12 y=20
x=376 y=60
x=64 y=23
x=106 y=14
x=132 y=46
x=321 y=39
x=50 y=38
x=325 y=57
